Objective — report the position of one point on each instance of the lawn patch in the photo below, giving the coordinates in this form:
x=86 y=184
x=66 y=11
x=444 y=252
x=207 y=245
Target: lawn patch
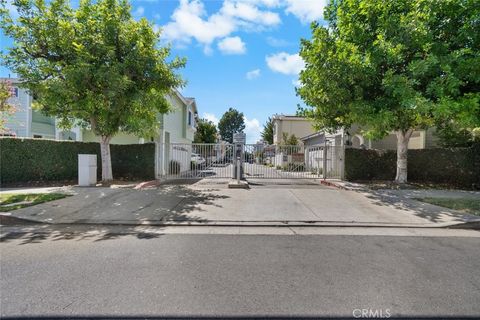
x=466 y=205
x=13 y=201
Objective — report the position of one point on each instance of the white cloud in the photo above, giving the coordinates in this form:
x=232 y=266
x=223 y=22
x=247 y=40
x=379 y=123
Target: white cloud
x=190 y=21
x=139 y=11
x=252 y=130
x=253 y=74
x=250 y=13
x=232 y=45
x=285 y=63
x=266 y=3
x=210 y=117
x=306 y=10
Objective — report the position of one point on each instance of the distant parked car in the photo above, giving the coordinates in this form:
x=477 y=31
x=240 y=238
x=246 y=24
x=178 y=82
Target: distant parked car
x=197 y=159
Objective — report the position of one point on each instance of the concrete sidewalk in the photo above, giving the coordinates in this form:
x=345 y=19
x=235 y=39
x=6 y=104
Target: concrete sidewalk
x=215 y=204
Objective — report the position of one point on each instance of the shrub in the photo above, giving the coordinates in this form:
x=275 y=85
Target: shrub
x=25 y=160
x=454 y=166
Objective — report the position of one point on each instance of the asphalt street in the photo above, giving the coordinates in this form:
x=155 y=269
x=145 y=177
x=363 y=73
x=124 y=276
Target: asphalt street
x=224 y=275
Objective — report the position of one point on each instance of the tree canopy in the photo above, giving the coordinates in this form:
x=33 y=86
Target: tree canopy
x=267 y=132
x=93 y=66
x=393 y=66
x=206 y=132
x=231 y=122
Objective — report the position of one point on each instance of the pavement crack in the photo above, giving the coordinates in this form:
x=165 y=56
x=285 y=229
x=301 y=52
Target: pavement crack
x=68 y=305
x=291 y=229
x=303 y=204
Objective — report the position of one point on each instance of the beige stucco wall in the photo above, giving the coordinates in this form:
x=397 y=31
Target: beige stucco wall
x=174 y=122
x=417 y=141
x=299 y=127
x=120 y=138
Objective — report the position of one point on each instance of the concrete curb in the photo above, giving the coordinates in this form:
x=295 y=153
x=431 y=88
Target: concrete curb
x=474 y=225
x=146 y=184
x=332 y=184
x=9 y=220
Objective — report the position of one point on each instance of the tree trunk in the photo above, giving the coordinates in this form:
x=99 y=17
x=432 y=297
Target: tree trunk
x=106 y=158
x=403 y=136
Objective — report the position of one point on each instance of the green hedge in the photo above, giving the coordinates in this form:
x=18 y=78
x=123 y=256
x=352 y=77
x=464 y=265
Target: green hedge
x=24 y=160
x=454 y=166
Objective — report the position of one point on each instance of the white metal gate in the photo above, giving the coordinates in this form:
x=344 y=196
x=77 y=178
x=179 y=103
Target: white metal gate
x=194 y=161
x=258 y=161
x=292 y=161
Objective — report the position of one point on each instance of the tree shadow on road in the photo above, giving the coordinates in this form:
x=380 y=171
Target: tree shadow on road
x=35 y=234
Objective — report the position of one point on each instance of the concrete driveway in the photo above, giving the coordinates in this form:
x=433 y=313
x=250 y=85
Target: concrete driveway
x=213 y=203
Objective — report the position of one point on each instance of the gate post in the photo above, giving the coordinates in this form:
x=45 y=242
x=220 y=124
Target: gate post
x=325 y=159
x=239 y=143
x=342 y=162
x=158 y=161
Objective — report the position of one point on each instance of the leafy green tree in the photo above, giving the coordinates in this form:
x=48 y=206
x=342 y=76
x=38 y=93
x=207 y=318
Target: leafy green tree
x=267 y=132
x=289 y=140
x=231 y=122
x=93 y=66
x=206 y=132
x=450 y=135
x=392 y=66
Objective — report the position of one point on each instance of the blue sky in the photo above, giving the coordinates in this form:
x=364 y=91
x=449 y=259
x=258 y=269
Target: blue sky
x=240 y=53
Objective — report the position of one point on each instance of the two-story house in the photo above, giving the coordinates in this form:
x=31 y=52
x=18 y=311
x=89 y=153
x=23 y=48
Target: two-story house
x=177 y=126
x=29 y=123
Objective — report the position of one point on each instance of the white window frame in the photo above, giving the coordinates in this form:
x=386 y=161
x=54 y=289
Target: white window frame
x=190 y=118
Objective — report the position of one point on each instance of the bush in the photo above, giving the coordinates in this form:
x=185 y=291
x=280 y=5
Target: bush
x=174 y=167
x=25 y=160
x=370 y=164
x=133 y=161
x=458 y=167
x=295 y=167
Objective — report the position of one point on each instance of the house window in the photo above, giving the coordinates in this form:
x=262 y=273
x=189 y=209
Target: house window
x=15 y=92
x=190 y=118
x=37 y=136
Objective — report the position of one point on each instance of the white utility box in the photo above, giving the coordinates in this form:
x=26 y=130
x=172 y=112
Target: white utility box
x=87 y=170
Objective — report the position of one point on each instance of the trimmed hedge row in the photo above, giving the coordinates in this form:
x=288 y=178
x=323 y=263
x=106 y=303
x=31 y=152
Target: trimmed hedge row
x=24 y=160
x=454 y=166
